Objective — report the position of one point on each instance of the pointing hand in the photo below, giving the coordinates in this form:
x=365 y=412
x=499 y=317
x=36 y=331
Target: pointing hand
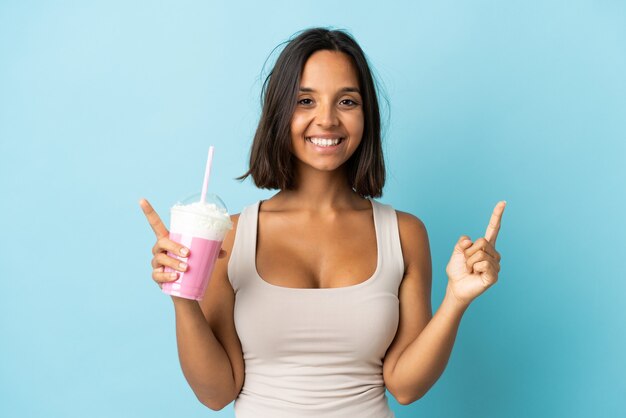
x=474 y=267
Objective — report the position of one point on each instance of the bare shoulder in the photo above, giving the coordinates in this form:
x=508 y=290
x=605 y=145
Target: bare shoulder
x=220 y=272
x=219 y=296
x=229 y=239
x=413 y=238
x=407 y=220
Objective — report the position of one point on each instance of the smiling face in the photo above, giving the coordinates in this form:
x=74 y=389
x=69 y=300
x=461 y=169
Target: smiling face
x=327 y=124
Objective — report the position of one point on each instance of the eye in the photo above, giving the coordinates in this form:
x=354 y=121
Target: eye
x=304 y=101
x=349 y=102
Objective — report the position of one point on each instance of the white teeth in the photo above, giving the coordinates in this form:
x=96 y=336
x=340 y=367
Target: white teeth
x=322 y=142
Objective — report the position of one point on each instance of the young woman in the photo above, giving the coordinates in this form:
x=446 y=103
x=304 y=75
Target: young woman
x=321 y=298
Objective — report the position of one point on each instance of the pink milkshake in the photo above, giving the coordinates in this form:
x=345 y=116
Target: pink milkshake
x=201 y=227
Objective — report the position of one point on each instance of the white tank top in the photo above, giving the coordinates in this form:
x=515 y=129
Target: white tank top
x=315 y=352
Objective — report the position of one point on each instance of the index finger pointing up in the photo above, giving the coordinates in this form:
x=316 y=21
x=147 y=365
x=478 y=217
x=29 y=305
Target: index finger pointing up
x=153 y=218
x=494 y=223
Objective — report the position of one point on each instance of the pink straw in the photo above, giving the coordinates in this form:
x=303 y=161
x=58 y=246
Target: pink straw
x=207 y=173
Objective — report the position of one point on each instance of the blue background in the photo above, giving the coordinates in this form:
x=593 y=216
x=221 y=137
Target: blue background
x=102 y=103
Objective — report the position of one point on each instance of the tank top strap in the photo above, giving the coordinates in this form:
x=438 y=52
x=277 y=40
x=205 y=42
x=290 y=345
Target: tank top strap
x=389 y=244
x=241 y=264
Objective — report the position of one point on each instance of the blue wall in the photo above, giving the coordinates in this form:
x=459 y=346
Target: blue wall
x=517 y=100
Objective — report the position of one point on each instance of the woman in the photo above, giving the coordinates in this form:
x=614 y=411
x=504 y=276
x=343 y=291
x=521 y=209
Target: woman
x=321 y=298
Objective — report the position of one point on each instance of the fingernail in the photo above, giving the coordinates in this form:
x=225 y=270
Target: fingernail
x=184 y=251
x=173 y=275
x=182 y=265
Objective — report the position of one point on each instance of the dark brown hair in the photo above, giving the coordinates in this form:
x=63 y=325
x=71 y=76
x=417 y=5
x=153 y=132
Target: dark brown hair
x=271 y=158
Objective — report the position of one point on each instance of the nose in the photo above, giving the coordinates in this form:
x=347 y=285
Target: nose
x=326 y=116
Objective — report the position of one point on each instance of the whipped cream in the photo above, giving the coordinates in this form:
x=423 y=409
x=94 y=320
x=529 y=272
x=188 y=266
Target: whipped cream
x=205 y=220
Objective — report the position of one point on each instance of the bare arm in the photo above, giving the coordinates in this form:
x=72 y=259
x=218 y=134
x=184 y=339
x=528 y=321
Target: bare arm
x=423 y=361
x=209 y=350
x=422 y=347
x=202 y=357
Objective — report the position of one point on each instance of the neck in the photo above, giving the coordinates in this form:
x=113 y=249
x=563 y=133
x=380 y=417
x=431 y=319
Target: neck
x=322 y=191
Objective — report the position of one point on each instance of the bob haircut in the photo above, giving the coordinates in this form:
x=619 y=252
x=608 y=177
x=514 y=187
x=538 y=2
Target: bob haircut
x=271 y=156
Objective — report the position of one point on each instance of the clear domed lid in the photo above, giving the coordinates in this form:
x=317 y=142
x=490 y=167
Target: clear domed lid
x=210 y=198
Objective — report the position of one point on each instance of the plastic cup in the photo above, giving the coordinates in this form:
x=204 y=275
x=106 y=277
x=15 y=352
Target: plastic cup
x=201 y=227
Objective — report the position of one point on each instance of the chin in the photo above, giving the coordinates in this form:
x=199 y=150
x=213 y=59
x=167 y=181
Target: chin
x=324 y=167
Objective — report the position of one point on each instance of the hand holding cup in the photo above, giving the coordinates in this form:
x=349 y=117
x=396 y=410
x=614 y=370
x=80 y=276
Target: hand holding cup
x=163 y=245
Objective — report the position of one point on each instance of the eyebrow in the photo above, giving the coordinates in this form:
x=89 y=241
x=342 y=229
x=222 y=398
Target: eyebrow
x=345 y=89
